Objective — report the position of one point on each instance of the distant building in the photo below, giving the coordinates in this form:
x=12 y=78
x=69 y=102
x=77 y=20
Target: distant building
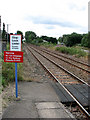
x=45 y=41
x=58 y=42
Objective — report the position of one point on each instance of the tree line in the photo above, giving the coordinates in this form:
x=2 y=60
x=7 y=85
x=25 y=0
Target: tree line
x=68 y=39
x=75 y=38
x=33 y=38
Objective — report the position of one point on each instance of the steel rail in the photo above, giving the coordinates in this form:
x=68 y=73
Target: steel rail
x=74 y=98
x=66 y=61
x=68 y=58
x=62 y=68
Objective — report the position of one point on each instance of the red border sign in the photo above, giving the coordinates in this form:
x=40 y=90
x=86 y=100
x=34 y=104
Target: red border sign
x=13 y=56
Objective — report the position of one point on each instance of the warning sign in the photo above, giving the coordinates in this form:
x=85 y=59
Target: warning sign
x=15 y=42
x=13 y=56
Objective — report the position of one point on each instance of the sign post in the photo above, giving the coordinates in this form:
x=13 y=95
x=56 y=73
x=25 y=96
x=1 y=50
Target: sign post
x=14 y=55
x=16 y=83
x=15 y=45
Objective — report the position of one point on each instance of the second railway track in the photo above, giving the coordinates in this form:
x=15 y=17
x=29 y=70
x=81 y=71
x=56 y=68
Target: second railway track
x=82 y=70
x=69 y=82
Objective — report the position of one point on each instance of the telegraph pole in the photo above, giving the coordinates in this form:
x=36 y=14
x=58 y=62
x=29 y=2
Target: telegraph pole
x=7 y=31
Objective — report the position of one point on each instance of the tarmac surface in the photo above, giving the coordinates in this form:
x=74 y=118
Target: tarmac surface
x=37 y=100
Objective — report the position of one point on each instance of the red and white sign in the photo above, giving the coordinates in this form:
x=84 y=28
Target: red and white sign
x=13 y=56
x=15 y=42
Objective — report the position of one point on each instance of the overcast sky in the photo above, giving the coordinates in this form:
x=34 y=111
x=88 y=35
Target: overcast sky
x=45 y=17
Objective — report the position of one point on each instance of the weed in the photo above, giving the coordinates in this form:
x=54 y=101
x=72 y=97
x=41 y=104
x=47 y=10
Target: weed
x=8 y=71
x=8 y=47
x=4 y=82
x=72 y=51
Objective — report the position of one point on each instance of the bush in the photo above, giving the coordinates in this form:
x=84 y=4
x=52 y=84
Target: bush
x=72 y=39
x=4 y=82
x=72 y=51
x=86 y=40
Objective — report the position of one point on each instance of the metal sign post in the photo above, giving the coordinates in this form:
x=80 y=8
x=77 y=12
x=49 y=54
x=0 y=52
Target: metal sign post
x=16 y=83
x=15 y=45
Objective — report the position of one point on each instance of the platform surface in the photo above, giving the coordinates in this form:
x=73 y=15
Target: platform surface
x=38 y=100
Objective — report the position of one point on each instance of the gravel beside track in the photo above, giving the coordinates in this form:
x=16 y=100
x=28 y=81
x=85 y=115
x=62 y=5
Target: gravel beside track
x=33 y=71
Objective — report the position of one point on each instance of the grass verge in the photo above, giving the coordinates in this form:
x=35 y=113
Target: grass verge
x=8 y=72
x=72 y=51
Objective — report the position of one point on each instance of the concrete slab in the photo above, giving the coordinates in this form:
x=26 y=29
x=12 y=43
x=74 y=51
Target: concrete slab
x=52 y=110
x=21 y=109
x=34 y=91
x=47 y=105
x=53 y=113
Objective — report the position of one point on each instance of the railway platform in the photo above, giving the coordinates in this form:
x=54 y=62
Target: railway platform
x=37 y=100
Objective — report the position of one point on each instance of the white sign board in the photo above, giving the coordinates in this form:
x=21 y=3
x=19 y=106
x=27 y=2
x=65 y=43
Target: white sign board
x=15 y=42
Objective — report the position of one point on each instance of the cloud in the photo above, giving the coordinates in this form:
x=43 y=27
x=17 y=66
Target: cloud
x=45 y=17
x=50 y=27
x=51 y=21
x=73 y=6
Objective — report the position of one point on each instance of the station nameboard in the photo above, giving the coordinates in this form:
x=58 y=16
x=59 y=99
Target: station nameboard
x=13 y=56
x=15 y=42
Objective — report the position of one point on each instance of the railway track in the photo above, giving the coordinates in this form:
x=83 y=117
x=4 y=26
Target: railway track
x=69 y=58
x=64 y=78
x=80 y=69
